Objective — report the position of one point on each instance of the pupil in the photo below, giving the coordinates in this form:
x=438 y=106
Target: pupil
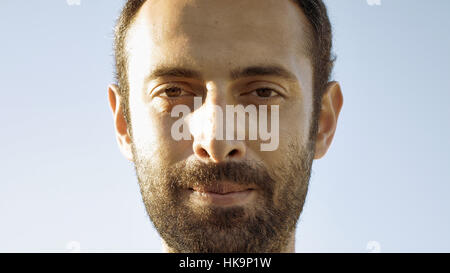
x=264 y=92
x=173 y=91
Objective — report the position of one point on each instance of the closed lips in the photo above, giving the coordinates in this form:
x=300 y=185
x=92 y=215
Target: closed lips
x=221 y=188
x=222 y=194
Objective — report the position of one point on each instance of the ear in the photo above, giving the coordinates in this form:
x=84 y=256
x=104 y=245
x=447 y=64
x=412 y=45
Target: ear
x=332 y=102
x=120 y=123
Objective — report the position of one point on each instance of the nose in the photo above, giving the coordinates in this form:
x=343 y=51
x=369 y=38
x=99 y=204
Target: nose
x=219 y=150
x=207 y=126
x=210 y=142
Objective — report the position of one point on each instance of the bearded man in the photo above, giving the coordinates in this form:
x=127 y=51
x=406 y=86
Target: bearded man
x=210 y=194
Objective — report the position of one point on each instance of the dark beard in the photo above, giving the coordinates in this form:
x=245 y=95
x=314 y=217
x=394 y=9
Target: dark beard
x=266 y=227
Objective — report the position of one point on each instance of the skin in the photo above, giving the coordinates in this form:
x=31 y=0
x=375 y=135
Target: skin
x=237 y=35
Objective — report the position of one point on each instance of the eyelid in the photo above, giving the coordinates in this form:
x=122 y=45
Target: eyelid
x=163 y=94
x=160 y=89
x=275 y=92
x=253 y=86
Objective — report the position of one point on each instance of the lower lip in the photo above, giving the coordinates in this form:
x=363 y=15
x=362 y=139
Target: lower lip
x=228 y=199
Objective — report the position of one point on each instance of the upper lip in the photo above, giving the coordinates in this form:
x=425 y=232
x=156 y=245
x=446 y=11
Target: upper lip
x=221 y=188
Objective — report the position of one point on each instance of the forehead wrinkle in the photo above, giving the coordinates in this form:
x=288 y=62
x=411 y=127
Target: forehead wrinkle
x=189 y=44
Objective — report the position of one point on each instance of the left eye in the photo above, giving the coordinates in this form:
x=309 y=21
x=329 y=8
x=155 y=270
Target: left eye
x=264 y=92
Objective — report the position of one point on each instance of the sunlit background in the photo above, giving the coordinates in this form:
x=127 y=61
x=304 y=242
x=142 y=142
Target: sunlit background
x=383 y=186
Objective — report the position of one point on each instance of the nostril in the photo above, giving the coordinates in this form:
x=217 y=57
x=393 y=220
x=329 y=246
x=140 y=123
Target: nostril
x=233 y=152
x=202 y=152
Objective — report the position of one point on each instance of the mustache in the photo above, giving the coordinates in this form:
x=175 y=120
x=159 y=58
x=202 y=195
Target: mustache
x=197 y=173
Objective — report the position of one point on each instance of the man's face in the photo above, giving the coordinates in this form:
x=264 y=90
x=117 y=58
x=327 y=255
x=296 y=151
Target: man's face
x=207 y=194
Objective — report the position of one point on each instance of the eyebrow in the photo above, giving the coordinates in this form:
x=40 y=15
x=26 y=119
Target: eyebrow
x=178 y=72
x=263 y=70
x=251 y=71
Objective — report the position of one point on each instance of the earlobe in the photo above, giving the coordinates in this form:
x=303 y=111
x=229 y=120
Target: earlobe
x=332 y=102
x=120 y=124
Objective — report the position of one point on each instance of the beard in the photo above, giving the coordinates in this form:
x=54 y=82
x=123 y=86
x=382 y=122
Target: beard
x=264 y=226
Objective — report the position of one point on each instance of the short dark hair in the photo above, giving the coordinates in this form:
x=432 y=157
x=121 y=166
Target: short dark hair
x=320 y=51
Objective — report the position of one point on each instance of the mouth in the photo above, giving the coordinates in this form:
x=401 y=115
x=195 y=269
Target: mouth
x=222 y=194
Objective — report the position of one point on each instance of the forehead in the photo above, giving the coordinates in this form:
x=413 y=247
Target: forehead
x=214 y=33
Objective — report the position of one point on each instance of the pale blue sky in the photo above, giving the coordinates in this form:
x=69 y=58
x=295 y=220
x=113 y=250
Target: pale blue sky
x=385 y=178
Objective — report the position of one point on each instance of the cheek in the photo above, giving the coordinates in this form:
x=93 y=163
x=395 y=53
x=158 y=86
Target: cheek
x=293 y=130
x=152 y=135
x=295 y=121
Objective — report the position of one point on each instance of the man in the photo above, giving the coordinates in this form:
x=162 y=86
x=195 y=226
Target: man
x=205 y=193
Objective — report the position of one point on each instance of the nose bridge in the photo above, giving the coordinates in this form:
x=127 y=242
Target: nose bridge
x=216 y=91
x=207 y=124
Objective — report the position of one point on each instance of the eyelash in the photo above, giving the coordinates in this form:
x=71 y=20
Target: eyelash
x=265 y=88
x=164 y=94
x=164 y=90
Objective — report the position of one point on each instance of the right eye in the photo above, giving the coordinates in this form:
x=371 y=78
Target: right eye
x=174 y=92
